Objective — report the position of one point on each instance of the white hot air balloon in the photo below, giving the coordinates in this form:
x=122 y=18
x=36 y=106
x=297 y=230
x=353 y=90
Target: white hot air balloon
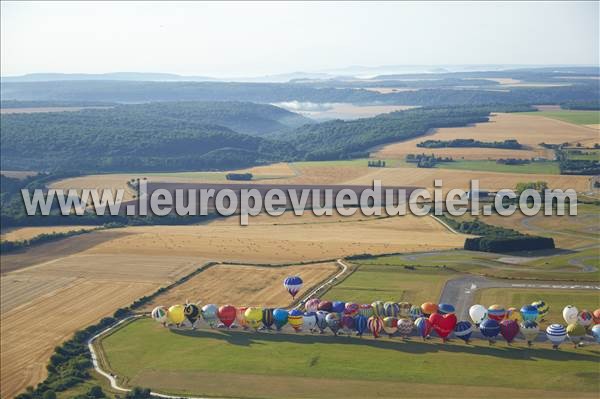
x=478 y=313
x=556 y=334
x=570 y=313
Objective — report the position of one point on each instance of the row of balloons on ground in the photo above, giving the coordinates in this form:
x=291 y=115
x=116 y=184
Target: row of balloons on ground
x=392 y=318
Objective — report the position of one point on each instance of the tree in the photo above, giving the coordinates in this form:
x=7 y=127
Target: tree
x=49 y=395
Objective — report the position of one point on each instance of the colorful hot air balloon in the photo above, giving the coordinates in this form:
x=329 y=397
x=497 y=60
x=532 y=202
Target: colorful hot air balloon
x=429 y=308
x=322 y=320
x=542 y=309
x=192 y=313
x=415 y=312
x=293 y=285
x=253 y=316
x=296 y=319
x=390 y=325
x=445 y=308
x=378 y=309
x=360 y=324
x=176 y=314
x=347 y=324
x=338 y=307
x=404 y=309
x=226 y=315
x=405 y=327
x=159 y=314
x=463 y=330
x=477 y=313
x=280 y=317
x=496 y=312
x=209 y=314
x=240 y=317
x=490 y=329
x=529 y=313
x=351 y=309
x=423 y=326
x=570 y=313
x=530 y=330
x=325 y=306
x=443 y=324
x=333 y=322
x=585 y=318
x=513 y=314
x=391 y=309
x=267 y=318
x=375 y=325
x=596 y=332
x=312 y=305
x=509 y=330
x=576 y=333
x=310 y=321
x=596 y=316
x=365 y=310
x=556 y=334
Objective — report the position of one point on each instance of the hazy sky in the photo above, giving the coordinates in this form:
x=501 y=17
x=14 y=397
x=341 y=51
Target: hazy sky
x=243 y=39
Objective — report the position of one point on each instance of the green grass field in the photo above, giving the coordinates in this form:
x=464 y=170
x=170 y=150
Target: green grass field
x=548 y=167
x=571 y=116
x=241 y=364
x=556 y=299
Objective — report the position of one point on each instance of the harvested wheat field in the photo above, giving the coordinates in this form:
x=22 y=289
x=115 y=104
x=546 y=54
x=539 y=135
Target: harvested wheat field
x=245 y=285
x=26 y=233
x=529 y=130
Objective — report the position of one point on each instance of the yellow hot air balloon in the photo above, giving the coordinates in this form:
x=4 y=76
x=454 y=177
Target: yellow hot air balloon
x=176 y=314
x=253 y=316
x=513 y=314
x=576 y=332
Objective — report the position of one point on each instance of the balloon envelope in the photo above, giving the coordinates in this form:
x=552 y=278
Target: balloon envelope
x=360 y=324
x=513 y=314
x=596 y=316
x=542 y=308
x=443 y=324
x=576 y=332
x=310 y=320
x=159 y=314
x=391 y=309
x=429 y=308
x=338 y=306
x=312 y=305
x=445 y=308
x=463 y=330
x=415 y=312
x=253 y=316
x=509 y=329
x=390 y=325
x=596 y=332
x=585 y=318
x=293 y=285
x=351 y=309
x=176 y=314
x=240 y=317
x=280 y=317
x=192 y=312
x=267 y=317
x=529 y=312
x=378 y=308
x=365 y=310
x=333 y=322
x=405 y=327
x=209 y=313
x=375 y=325
x=322 y=320
x=404 y=309
x=423 y=326
x=347 y=324
x=296 y=319
x=226 y=314
x=477 y=313
x=325 y=305
x=570 y=313
x=489 y=328
x=496 y=312
x=529 y=329
x=556 y=334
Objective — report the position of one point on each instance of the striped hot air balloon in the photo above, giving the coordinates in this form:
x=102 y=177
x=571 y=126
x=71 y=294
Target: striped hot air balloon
x=360 y=324
x=296 y=319
x=159 y=314
x=267 y=318
x=378 y=309
x=293 y=285
x=496 y=312
x=529 y=313
x=405 y=327
x=365 y=310
x=530 y=330
x=391 y=309
x=490 y=329
x=404 y=309
x=463 y=330
x=556 y=334
x=351 y=309
x=312 y=305
x=415 y=312
x=423 y=326
x=542 y=309
x=509 y=329
x=375 y=325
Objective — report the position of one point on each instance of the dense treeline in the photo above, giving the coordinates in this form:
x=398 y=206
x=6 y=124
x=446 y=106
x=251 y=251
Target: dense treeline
x=508 y=144
x=569 y=166
x=44 y=104
x=582 y=105
x=8 y=246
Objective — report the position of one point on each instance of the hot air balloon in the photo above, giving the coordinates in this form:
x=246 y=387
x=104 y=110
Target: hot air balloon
x=404 y=309
x=360 y=324
x=496 y=312
x=338 y=307
x=443 y=324
x=509 y=330
x=281 y=318
x=325 y=306
x=365 y=310
x=296 y=319
x=391 y=309
x=585 y=318
x=351 y=309
x=576 y=333
x=570 y=313
x=596 y=332
x=596 y=316
x=253 y=316
x=209 y=314
x=310 y=321
x=477 y=313
x=513 y=314
x=293 y=285
x=530 y=330
x=490 y=329
x=267 y=318
x=463 y=330
x=556 y=334
x=415 y=312
x=192 y=313
x=542 y=309
x=322 y=320
x=176 y=315
x=423 y=326
x=405 y=327
x=312 y=305
x=429 y=308
x=390 y=325
x=226 y=315
x=240 y=317
x=159 y=314
x=445 y=308
x=333 y=322
x=347 y=324
x=375 y=325
x=529 y=313
x=378 y=309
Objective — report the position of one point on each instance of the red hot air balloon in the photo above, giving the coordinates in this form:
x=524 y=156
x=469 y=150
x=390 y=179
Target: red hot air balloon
x=509 y=329
x=443 y=324
x=226 y=314
x=375 y=324
x=325 y=306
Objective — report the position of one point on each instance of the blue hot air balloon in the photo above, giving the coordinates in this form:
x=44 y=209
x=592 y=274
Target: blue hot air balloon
x=529 y=313
x=490 y=328
x=280 y=318
x=293 y=284
x=415 y=312
x=463 y=330
x=338 y=307
x=445 y=308
x=556 y=333
x=596 y=332
x=423 y=326
x=267 y=318
x=360 y=324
